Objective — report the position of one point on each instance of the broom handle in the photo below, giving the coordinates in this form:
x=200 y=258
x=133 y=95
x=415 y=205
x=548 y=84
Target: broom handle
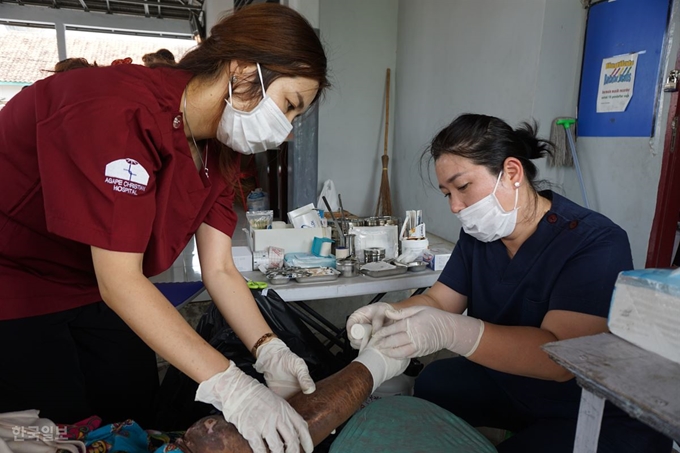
x=387 y=108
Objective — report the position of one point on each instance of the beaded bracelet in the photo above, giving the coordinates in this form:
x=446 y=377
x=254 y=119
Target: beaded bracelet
x=259 y=342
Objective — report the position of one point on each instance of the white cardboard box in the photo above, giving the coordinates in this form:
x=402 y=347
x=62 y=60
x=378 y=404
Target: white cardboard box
x=436 y=257
x=645 y=310
x=243 y=258
x=292 y=240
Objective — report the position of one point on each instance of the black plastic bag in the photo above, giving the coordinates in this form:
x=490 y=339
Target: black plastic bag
x=176 y=408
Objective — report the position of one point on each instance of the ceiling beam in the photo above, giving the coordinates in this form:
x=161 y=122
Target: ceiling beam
x=161 y=4
x=85 y=8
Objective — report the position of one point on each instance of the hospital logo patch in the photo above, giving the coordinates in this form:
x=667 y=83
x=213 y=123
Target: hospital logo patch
x=126 y=176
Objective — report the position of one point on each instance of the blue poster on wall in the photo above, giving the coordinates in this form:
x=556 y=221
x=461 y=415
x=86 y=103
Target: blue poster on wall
x=621 y=77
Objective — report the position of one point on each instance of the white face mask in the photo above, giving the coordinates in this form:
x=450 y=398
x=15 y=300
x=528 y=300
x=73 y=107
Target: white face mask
x=263 y=128
x=486 y=220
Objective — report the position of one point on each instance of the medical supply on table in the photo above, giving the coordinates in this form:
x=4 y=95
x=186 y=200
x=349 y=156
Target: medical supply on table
x=256 y=285
x=307 y=260
x=278 y=279
x=316 y=275
x=349 y=267
x=413 y=226
x=321 y=246
x=290 y=239
x=270 y=258
x=417 y=266
x=260 y=220
x=383 y=269
x=414 y=247
x=373 y=254
x=305 y=217
x=436 y=257
x=335 y=222
x=341 y=253
x=350 y=241
x=385 y=237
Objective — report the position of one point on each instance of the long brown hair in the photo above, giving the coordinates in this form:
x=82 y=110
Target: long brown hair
x=275 y=36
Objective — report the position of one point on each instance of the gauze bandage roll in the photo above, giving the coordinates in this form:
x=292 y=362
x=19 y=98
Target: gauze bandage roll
x=325 y=249
x=360 y=333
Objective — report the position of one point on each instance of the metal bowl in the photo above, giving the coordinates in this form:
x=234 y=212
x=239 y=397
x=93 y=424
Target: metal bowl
x=348 y=267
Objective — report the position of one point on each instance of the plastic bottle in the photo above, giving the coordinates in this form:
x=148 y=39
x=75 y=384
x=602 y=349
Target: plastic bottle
x=257 y=200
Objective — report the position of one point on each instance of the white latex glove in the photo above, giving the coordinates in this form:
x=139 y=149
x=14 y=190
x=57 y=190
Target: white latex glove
x=418 y=331
x=373 y=314
x=379 y=365
x=408 y=257
x=285 y=373
x=258 y=414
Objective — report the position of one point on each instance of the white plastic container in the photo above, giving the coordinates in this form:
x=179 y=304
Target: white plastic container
x=418 y=246
x=305 y=217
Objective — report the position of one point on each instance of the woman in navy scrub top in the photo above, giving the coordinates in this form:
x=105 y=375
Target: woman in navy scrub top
x=530 y=267
x=106 y=173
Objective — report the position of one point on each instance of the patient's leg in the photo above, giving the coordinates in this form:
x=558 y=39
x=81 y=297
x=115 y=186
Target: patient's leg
x=336 y=398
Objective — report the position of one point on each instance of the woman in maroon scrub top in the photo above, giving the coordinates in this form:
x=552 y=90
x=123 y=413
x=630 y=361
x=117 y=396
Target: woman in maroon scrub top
x=106 y=173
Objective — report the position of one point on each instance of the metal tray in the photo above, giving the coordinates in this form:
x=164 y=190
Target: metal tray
x=278 y=279
x=417 y=266
x=301 y=278
x=385 y=273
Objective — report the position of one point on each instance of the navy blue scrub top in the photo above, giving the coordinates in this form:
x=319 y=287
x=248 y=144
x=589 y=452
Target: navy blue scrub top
x=571 y=263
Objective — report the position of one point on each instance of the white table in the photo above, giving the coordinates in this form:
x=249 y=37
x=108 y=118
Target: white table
x=187 y=269
x=643 y=384
x=352 y=286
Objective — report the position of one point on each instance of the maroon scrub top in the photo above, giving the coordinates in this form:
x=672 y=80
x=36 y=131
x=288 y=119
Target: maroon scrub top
x=97 y=157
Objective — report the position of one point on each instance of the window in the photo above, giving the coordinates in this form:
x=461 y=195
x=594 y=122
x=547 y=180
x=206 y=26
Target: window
x=105 y=46
x=27 y=53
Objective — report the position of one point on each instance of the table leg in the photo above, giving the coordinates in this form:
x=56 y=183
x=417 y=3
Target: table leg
x=589 y=421
x=319 y=328
x=317 y=316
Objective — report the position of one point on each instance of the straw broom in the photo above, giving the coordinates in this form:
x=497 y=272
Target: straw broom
x=384 y=207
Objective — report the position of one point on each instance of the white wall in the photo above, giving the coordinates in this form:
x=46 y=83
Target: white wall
x=360 y=37
x=516 y=60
